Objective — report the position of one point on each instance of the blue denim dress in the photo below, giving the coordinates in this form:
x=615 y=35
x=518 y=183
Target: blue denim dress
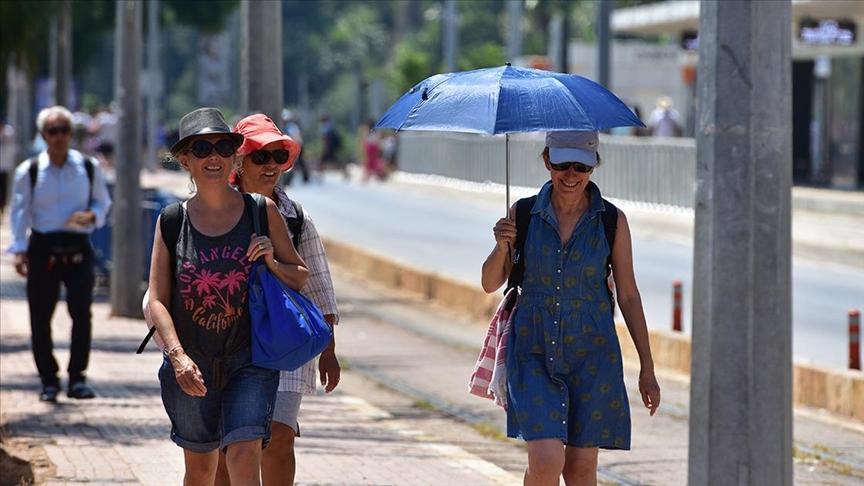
x=564 y=374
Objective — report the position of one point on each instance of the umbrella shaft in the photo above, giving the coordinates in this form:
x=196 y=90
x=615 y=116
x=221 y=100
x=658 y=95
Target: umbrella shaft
x=507 y=172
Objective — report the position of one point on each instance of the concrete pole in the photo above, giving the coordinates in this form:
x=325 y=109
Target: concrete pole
x=514 y=36
x=61 y=53
x=451 y=35
x=604 y=39
x=155 y=83
x=741 y=370
x=261 y=58
x=127 y=245
x=559 y=33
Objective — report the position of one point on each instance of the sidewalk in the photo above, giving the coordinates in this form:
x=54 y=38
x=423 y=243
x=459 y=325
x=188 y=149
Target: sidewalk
x=122 y=435
x=436 y=352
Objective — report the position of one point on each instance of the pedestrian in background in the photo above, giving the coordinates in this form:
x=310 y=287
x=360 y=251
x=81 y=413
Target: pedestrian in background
x=60 y=197
x=565 y=382
x=266 y=153
x=373 y=163
x=331 y=143
x=215 y=398
x=293 y=130
x=8 y=154
x=664 y=121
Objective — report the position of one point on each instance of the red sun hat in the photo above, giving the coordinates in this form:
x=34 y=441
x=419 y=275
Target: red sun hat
x=259 y=130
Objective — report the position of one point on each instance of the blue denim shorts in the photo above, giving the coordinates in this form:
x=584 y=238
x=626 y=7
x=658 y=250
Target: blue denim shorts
x=240 y=411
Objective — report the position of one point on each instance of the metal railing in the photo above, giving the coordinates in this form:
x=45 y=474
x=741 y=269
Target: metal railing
x=650 y=170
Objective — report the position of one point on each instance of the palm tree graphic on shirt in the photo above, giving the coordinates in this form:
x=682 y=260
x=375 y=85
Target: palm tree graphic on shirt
x=214 y=289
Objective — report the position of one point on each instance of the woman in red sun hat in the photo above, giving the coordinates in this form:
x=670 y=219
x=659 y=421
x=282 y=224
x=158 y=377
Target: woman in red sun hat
x=267 y=153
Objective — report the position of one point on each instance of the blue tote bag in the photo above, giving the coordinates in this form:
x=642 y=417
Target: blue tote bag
x=288 y=330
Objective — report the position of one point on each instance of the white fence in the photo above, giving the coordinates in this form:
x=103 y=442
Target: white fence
x=660 y=171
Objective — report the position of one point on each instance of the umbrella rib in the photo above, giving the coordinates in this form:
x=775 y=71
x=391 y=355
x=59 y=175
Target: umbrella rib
x=420 y=102
x=576 y=102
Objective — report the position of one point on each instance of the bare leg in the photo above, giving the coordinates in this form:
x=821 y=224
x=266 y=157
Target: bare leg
x=278 y=464
x=222 y=478
x=200 y=467
x=545 y=462
x=580 y=466
x=244 y=463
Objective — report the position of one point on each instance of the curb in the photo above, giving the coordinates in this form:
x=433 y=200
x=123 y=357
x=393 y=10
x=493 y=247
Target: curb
x=840 y=392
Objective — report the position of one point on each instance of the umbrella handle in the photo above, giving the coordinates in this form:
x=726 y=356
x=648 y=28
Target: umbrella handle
x=507 y=172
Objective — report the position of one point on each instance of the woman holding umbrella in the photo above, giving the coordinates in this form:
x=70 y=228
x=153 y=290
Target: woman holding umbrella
x=566 y=394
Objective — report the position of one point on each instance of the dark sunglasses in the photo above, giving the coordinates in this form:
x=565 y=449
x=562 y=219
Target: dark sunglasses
x=262 y=157
x=202 y=148
x=62 y=129
x=582 y=168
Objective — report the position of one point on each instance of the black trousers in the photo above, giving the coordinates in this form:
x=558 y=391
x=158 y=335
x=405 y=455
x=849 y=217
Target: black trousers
x=55 y=258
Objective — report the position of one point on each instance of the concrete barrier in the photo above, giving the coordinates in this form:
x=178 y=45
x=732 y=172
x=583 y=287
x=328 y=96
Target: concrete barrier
x=840 y=392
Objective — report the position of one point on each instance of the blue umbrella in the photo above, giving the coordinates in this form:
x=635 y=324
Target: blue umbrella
x=505 y=100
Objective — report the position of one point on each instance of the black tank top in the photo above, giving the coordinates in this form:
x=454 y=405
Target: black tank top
x=209 y=305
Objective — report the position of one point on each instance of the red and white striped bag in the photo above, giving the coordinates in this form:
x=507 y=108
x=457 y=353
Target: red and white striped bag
x=489 y=379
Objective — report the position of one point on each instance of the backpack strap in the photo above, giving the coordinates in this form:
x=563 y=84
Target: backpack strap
x=295 y=224
x=170 y=224
x=260 y=221
x=89 y=166
x=523 y=219
x=610 y=225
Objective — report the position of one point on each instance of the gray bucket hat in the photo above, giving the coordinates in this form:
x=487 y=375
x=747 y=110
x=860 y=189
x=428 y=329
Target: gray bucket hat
x=572 y=146
x=203 y=121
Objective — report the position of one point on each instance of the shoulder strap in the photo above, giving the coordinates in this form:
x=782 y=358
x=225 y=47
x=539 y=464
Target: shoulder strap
x=260 y=222
x=610 y=225
x=523 y=219
x=34 y=174
x=295 y=224
x=90 y=168
x=170 y=223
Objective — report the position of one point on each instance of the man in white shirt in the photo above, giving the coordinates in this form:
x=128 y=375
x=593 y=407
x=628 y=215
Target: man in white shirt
x=59 y=197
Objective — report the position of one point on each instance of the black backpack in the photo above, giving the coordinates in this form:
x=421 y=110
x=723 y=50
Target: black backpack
x=34 y=174
x=171 y=221
x=523 y=218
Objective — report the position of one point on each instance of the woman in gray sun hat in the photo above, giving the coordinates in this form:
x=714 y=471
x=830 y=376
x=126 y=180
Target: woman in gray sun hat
x=215 y=398
x=565 y=383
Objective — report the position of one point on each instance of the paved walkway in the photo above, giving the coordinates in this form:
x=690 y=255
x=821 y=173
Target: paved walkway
x=428 y=353
x=122 y=436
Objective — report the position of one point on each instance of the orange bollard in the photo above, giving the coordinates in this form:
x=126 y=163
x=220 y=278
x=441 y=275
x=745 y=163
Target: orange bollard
x=677 y=305
x=854 y=339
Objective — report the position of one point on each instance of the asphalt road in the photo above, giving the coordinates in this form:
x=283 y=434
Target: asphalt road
x=449 y=231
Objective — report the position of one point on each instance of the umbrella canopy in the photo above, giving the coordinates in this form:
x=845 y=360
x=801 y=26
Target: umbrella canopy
x=508 y=99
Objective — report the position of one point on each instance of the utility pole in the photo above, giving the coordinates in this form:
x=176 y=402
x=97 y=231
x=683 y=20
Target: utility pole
x=127 y=245
x=604 y=39
x=451 y=35
x=261 y=58
x=559 y=34
x=154 y=88
x=61 y=53
x=514 y=37
x=741 y=378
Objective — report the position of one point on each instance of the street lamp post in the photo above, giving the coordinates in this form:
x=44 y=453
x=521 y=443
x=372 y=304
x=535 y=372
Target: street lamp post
x=741 y=373
x=261 y=58
x=127 y=245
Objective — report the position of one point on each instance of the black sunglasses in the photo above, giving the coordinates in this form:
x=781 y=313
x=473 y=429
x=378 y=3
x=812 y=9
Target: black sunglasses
x=582 y=168
x=262 y=157
x=202 y=148
x=64 y=129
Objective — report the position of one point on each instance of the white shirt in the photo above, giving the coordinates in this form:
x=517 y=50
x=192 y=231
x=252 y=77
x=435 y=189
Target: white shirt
x=59 y=192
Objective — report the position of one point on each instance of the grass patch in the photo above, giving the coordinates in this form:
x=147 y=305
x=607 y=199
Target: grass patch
x=489 y=430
